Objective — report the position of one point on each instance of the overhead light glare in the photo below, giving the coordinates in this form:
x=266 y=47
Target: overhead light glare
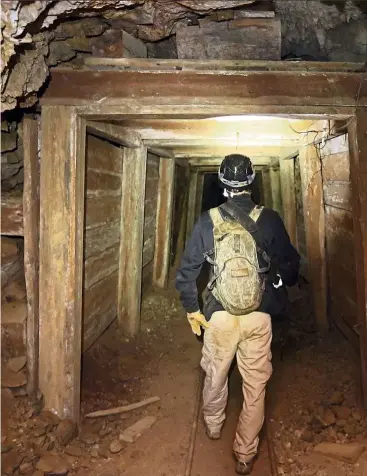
x=245 y=118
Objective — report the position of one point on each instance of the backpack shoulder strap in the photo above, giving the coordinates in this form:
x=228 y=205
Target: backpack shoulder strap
x=216 y=216
x=256 y=212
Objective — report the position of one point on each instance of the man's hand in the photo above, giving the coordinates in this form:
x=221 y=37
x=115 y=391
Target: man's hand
x=197 y=320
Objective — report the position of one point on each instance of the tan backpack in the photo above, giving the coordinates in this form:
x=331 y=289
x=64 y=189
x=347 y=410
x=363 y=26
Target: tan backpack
x=237 y=280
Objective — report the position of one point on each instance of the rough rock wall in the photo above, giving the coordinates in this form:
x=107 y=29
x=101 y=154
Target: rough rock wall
x=11 y=155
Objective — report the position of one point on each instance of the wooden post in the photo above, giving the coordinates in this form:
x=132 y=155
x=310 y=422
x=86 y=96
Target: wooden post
x=289 y=198
x=199 y=195
x=61 y=258
x=191 y=203
x=276 y=196
x=268 y=201
x=131 y=239
x=31 y=219
x=357 y=132
x=314 y=215
x=164 y=222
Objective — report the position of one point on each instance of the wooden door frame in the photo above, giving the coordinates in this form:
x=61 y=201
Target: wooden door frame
x=299 y=93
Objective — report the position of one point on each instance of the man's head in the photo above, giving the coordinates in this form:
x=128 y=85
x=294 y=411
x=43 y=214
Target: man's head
x=236 y=174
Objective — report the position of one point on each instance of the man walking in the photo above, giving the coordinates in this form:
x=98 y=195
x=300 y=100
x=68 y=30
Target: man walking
x=251 y=256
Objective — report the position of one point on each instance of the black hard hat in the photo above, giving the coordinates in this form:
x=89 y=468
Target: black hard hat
x=236 y=172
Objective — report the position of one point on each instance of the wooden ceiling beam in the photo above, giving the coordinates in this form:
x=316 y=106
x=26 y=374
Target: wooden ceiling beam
x=121 y=135
x=104 y=87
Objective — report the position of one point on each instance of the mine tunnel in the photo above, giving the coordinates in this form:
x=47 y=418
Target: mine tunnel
x=115 y=122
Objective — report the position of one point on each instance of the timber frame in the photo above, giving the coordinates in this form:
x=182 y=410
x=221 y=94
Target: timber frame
x=165 y=89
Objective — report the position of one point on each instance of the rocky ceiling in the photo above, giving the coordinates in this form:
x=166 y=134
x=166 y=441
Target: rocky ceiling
x=37 y=35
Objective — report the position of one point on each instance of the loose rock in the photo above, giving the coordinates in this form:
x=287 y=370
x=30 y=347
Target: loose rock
x=66 y=432
x=73 y=450
x=134 y=432
x=26 y=468
x=337 y=398
x=17 y=363
x=10 y=379
x=349 y=452
x=116 y=446
x=52 y=463
x=342 y=413
x=10 y=462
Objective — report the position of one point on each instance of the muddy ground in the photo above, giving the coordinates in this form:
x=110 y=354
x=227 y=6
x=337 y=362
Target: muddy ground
x=312 y=398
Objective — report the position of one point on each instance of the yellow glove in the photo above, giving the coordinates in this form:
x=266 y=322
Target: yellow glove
x=197 y=319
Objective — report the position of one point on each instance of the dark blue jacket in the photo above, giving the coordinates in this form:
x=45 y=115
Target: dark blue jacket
x=274 y=240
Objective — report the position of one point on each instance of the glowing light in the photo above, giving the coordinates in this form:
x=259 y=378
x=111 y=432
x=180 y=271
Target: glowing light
x=246 y=118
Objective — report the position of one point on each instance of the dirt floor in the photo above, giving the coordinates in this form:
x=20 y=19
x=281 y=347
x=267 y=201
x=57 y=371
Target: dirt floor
x=311 y=399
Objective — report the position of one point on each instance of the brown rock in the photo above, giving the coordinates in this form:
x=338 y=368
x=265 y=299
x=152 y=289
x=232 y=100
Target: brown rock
x=16 y=364
x=10 y=379
x=103 y=451
x=307 y=435
x=350 y=429
x=49 y=420
x=88 y=438
x=53 y=464
x=342 y=413
x=26 y=468
x=348 y=452
x=356 y=416
x=39 y=431
x=66 y=432
x=40 y=440
x=73 y=450
x=341 y=423
x=337 y=398
x=134 y=432
x=116 y=446
x=105 y=431
x=10 y=462
x=327 y=418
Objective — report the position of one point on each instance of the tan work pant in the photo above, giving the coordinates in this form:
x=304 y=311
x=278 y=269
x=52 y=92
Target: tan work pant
x=250 y=338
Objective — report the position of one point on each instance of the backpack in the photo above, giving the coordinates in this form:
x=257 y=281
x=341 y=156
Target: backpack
x=237 y=280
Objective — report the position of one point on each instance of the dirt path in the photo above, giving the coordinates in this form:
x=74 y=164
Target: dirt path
x=215 y=457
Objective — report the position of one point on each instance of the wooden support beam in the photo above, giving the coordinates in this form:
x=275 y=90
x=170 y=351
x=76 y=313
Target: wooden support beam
x=357 y=130
x=109 y=87
x=216 y=161
x=31 y=225
x=193 y=183
x=268 y=201
x=276 y=195
x=160 y=152
x=121 y=135
x=218 y=65
x=131 y=239
x=314 y=216
x=199 y=195
x=289 y=198
x=61 y=258
x=164 y=222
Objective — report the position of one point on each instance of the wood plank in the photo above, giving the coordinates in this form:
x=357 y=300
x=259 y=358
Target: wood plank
x=11 y=214
x=314 y=217
x=268 y=199
x=161 y=152
x=99 y=266
x=103 y=88
x=221 y=65
x=191 y=204
x=102 y=210
x=132 y=223
x=276 y=194
x=120 y=135
x=336 y=167
x=248 y=38
x=336 y=145
x=100 y=183
x=148 y=250
x=338 y=195
x=358 y=172
x=164 y=223
x=99 y=308
x=61 y=260
x=101 y=157
x=289 y=198
x=199 y=195
x=31 y=223
x=100 y=238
